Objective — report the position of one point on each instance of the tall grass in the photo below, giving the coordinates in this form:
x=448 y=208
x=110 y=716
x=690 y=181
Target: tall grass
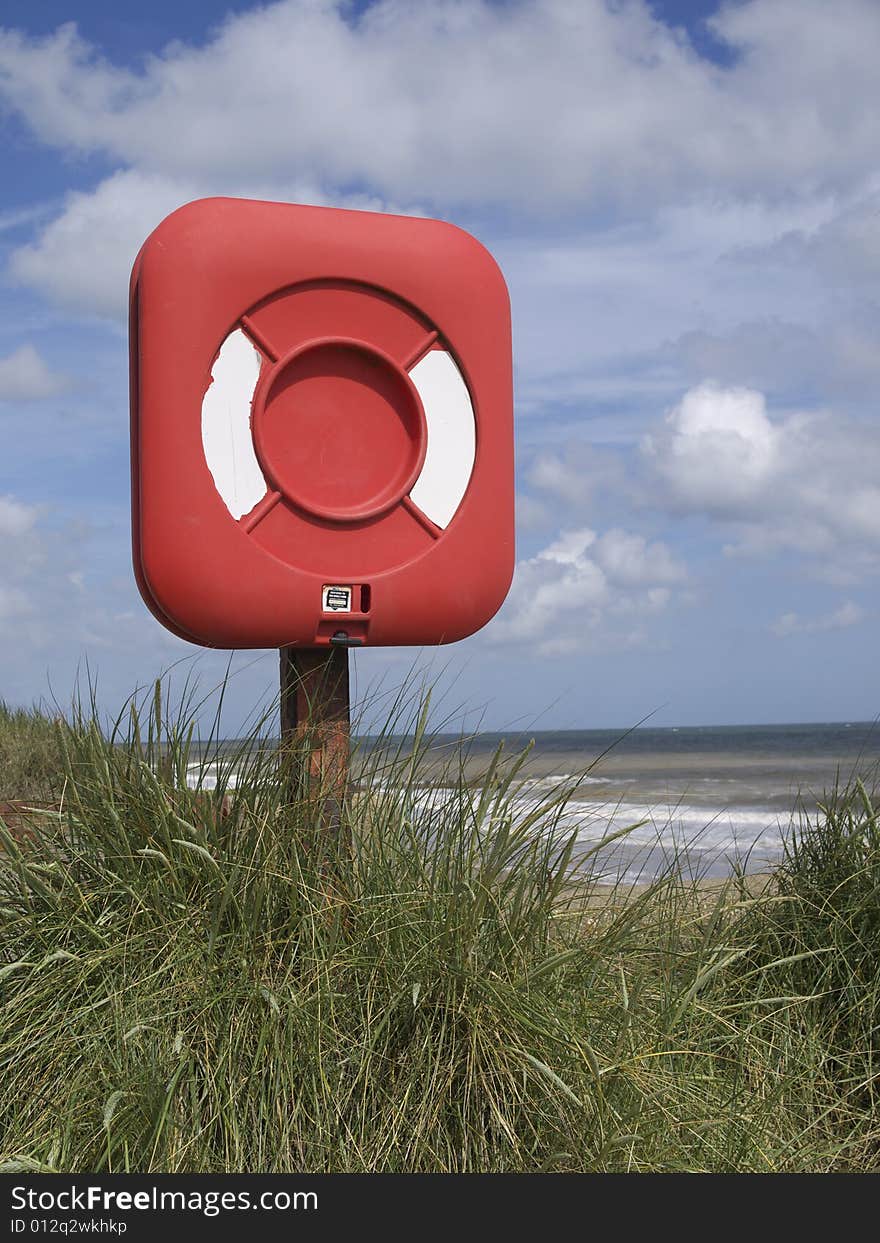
x=827 y=923
x=30 y=755
x=197 y=980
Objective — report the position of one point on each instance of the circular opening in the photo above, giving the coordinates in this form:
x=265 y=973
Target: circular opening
x=339 y=429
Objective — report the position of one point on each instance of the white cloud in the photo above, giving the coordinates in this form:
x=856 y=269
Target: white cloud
x=474 y=104
x=574 y=474
x=563 y=597
x=628 y=560
x=718 y=451
x=61 y=599
x=801 y=481
x=849 y=614
x=792 y=311
x=844 y=250
x=16 y=518
x=806 y=51
x=24 y=376
x=82 y=259
x=562 y=479
x=475 y=101
x=531 y=515
x=627 y=314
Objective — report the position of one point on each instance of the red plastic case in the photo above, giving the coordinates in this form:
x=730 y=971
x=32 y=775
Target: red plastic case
x=322 y=427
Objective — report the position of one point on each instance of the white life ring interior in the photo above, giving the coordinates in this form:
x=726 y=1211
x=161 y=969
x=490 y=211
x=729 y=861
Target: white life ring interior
x=229 y=447
x=452 y=439
x=226 y=425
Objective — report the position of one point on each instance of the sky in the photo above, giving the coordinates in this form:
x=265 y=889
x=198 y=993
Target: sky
x=684 y=198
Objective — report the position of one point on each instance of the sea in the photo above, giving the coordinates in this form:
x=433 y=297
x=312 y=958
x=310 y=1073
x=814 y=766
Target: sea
x=708 y=800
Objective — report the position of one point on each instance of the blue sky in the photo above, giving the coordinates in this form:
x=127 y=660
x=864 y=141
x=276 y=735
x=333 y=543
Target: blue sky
x=685 y=200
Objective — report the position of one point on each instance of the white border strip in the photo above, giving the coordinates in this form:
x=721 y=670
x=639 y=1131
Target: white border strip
x=452 y=437
x=226 y=425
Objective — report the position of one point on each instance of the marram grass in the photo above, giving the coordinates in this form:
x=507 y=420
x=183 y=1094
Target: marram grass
x=31 y=764
x=206 y=981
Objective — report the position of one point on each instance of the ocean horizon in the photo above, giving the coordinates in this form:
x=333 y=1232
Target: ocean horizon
x=713 y=799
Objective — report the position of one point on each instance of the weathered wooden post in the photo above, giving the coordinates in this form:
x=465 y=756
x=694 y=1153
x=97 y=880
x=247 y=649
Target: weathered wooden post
x=316 y=725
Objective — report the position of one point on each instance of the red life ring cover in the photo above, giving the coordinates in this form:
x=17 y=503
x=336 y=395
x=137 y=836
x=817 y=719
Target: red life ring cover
x=322 y=427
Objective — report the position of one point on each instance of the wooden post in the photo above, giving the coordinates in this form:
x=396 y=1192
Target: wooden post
x=315 y=714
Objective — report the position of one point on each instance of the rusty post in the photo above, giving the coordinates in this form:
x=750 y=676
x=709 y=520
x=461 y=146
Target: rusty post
x=315 y=706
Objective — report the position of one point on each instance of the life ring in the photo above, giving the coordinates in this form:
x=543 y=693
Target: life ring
x=419 y=449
